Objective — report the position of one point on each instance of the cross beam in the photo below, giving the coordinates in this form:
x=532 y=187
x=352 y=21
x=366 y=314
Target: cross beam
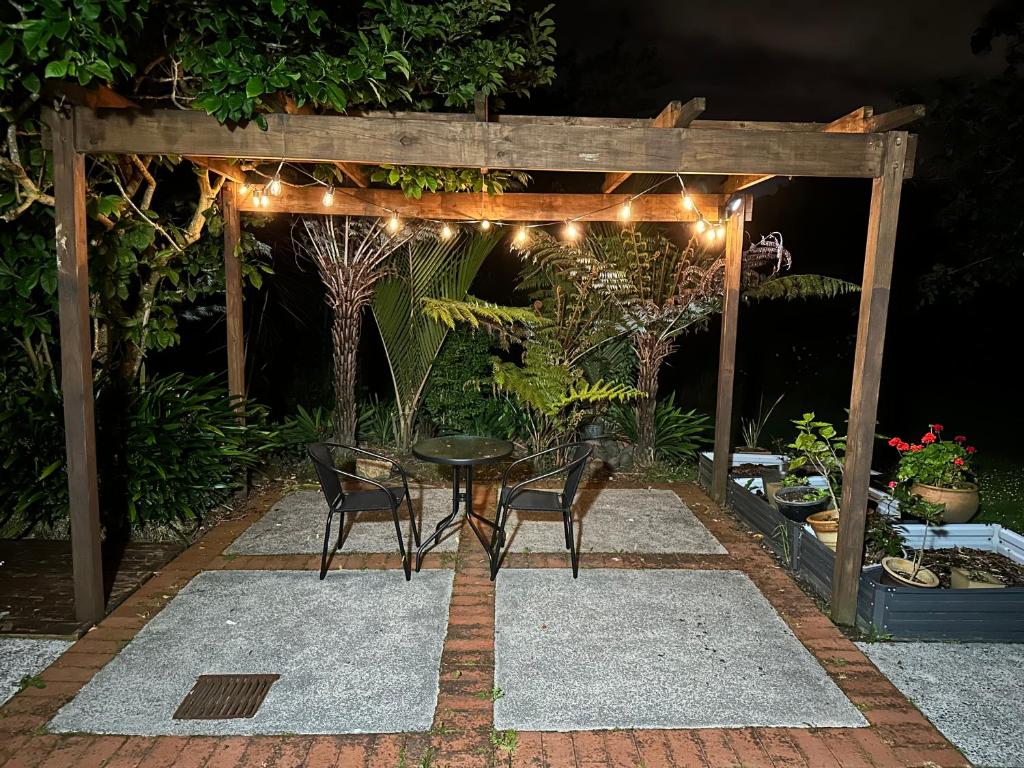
x=593 y=148
x=511 y=206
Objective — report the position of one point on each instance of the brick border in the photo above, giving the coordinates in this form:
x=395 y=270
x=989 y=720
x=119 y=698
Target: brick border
x=462 y=735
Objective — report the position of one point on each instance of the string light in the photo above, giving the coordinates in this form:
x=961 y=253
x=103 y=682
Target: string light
x=719 y=231
x=485 y=224
x=244 y=188
x=521 y=235
x=393 y=223
x=571 y=231
x=446 y=232
x=700 y=226
x=687 y=201
x=264 y=199
x=328 y=198
x=625 y=211
x=275 y=185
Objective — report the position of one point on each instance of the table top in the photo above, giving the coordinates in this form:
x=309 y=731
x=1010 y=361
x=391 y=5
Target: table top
x=462 y=450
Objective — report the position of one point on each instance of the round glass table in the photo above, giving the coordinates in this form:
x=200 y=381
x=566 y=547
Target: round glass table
x=461 y=453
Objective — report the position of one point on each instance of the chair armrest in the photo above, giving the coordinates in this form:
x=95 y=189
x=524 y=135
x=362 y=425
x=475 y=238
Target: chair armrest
x=531 y=457
x=361 y=479
x=519 y=487
x=373 y=455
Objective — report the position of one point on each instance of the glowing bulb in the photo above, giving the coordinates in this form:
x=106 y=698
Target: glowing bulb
x=485 y=225
x=328 y=198
x=719 y=231
x=264 y=200
x=393 y=223
x=446 y=232
x=700 y=226
x=687 y=202
x=571 y=230
x=624 y=211
x=275 y=185
x=243 y=189
x=521 y=236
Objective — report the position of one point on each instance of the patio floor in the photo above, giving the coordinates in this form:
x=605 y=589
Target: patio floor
x=739 y=590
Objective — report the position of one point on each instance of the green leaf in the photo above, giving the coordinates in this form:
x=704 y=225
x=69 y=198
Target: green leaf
x=6 y=50
x=277 y=6
x=56 y=69
x=254 y=86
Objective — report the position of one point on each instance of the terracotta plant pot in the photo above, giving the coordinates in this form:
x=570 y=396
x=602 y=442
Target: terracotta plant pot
x=790 y=503
x=899 y=571
x=961 y=503
x=961 y=578
x=825 y=525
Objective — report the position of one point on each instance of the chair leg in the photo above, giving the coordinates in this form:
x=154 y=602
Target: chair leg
x=574 y=556
x=327 y=544
x=406 y=565
x=341 y=531
x=567 y=525
x=412 y=518
x=497 y=542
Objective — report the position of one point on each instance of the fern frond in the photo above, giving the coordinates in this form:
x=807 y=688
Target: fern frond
x=494 y=318
x=791 y=287
x=584 y=392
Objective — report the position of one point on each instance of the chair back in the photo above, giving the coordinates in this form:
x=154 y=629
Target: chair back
x=578 y=463
x=330 y=483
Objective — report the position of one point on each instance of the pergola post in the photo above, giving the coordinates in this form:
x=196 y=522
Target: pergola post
x=867 y=373
x=76 y=368
x=727 y=351
x=233 y=291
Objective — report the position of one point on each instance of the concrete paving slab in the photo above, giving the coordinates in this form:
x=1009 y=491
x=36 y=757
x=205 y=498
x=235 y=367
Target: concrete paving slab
x=295 y=525
x=20 y=658
x=617 y=520
x=972 y=692
x=652 y=649
x=357 y=653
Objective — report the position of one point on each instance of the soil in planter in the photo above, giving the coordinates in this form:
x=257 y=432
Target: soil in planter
x=940 y=561
x=753 y=470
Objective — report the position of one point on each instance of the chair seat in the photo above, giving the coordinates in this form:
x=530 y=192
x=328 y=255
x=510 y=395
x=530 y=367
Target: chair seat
x=534 y=500
x=360 y=501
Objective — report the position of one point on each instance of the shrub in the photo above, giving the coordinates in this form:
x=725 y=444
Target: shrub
x=678 y=434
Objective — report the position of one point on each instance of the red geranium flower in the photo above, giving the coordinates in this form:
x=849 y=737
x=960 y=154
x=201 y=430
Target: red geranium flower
x=958 y=461
x=937 y=427
x=892 y=484
x=915 y=448
x=903 y=446
x=971 y=449
x=895 y=442
x=927 y=438
x=959 y=439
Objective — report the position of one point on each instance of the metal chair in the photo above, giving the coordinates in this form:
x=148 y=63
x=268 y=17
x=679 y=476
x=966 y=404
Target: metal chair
x=522 y=497
x=340 y=501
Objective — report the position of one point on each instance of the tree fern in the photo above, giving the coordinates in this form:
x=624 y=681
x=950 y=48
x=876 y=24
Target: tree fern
x=505 y=322
x=791 y=287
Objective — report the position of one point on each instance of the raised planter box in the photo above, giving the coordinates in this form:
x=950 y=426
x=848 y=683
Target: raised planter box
x=903 y=613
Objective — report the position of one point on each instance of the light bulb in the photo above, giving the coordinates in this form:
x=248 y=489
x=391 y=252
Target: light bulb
x=485 y=225
x=393 y=223
x=719 y=231
x=328 y=198
x=275 y=185
x=700 y=226
x=734 y=204
x=243 y=189
x=446 y=232
x=571 y=230
x=625 y=211
x=687 y=202
x=264 y=200
x=521 y=235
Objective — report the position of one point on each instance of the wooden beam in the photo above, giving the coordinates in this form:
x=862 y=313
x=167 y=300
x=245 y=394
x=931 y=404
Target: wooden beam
x=727 y=354
x=867 y=374
x=473 y=206
x=356 y=173
x=233 y=291
x=860 y=120
x=675 y=115
x=219 y=165
x=76 y=368
x=316 y=138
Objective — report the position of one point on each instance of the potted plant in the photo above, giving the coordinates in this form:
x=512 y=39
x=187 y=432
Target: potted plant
x=939 y=472
x=910 y=573
x=820 y=448
x=795 y=499
x=969 y=578
x=751 y=429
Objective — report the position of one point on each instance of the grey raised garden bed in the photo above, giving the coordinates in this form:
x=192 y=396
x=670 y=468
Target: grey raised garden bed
x=903 y=613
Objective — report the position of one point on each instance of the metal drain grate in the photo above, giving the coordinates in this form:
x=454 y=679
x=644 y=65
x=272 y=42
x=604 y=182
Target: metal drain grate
x=223 y=697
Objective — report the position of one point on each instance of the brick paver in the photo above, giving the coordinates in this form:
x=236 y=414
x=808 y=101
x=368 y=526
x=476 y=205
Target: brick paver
x=462 y=732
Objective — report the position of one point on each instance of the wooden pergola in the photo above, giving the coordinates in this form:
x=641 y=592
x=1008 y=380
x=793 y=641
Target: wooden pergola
x=858 y=145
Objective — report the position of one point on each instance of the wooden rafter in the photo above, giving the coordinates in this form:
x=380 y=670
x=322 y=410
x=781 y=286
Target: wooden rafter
x=861 y=120
x=511 y=206
x=675 y=115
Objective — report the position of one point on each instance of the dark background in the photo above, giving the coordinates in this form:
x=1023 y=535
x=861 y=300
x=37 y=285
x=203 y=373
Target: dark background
x=948 y=362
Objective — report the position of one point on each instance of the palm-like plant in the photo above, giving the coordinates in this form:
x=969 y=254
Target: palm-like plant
x=429 y=274
x=351 y=256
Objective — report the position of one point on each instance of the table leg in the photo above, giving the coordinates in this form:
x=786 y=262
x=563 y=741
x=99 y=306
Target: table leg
x=447 y=521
